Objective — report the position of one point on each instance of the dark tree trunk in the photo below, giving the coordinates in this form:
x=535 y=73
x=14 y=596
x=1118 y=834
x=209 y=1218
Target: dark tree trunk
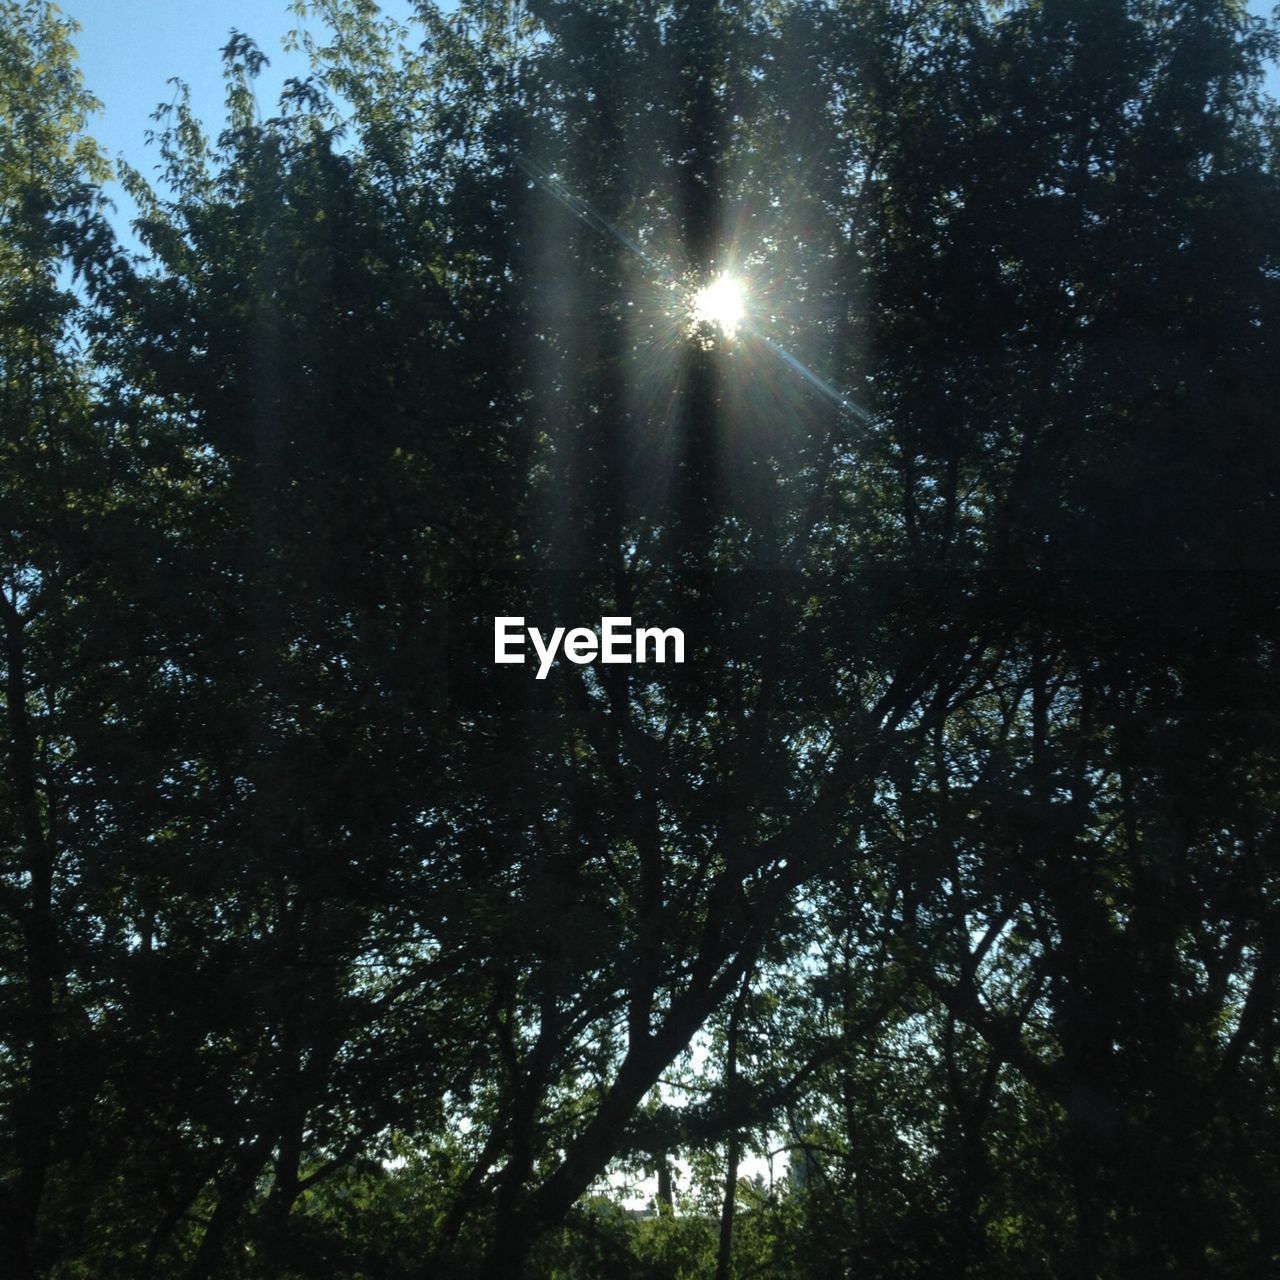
x=724 y=1250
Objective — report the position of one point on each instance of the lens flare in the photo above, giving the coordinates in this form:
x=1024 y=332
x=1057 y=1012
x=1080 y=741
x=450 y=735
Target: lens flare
x=720 y=305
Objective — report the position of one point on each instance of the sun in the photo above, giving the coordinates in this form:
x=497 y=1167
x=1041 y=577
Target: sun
x=720 y=304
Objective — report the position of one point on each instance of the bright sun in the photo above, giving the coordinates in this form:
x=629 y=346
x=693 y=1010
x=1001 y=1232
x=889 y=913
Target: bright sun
x=721 y=304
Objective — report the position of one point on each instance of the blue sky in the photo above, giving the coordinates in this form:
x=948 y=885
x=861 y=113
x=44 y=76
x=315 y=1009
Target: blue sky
x=130 y=48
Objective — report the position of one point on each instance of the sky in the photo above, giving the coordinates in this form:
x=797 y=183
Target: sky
x=129 y=49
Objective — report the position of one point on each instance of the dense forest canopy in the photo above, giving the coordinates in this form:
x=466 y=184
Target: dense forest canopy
x=942 y=874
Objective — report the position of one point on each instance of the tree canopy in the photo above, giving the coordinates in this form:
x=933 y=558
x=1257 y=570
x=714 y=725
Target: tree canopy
x=939 y=881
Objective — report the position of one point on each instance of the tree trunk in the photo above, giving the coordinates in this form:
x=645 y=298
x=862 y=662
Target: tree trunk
x=724 y=1251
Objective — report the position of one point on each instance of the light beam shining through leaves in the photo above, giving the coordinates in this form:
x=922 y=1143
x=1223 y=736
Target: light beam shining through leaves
x=720 y=304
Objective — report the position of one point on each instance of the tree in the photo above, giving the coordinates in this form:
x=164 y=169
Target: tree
x=66 y=494
x=947 y=850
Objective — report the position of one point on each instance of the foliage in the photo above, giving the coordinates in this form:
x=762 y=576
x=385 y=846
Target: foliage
x=942 y=873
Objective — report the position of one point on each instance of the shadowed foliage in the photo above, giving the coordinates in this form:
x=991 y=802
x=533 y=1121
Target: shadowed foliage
x=921 y=924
